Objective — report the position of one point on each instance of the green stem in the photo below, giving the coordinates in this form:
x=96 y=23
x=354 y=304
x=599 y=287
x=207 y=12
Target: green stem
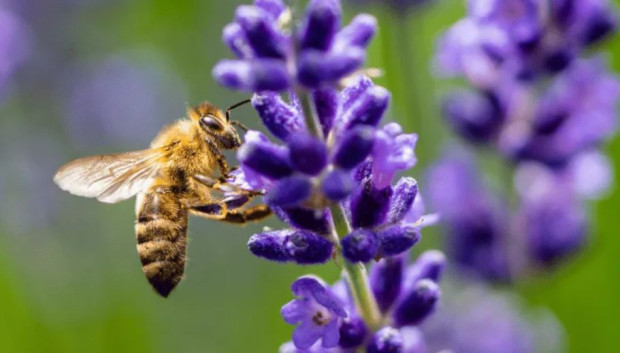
x=310 y=116
x=356 y=274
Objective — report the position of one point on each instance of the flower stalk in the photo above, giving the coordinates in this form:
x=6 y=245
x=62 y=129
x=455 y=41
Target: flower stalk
x=356 y=274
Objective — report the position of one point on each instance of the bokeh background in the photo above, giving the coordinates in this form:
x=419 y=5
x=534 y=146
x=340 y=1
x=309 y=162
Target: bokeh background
x=81 y=77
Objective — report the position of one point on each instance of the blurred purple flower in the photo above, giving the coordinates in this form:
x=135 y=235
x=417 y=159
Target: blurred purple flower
x=479 y=320
x=476 y=224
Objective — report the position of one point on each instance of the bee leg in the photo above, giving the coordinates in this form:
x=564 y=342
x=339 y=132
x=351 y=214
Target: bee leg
x=239 y=125
x=228 y=210
x=251 y=214
x=222 y=185
x=221 y=160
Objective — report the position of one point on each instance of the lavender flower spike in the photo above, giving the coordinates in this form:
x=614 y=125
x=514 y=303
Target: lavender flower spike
x=317 y=311
x=265 y=47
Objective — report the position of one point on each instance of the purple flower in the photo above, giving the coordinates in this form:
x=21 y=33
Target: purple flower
x=551 y=217
x=475 y=224
x=317 y=311
x=483 y=320
x=265 y=46
x=576 y=113
x=519 y=38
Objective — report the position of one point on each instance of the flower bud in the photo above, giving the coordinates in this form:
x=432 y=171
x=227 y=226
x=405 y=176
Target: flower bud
x=360 y=245
x=270 y=245
x=322 y=20
x=386 y=280
x=353 y=331
x=417 y=304
x=316 y=67
x=369 y=206
x=473 y=115
x=405 y=193
x=354 y=147
x=254 y=76
x=308 y=248
x=265 y=158
x=386 y=340
x=307 y=154
x=280 y=118
x=397 y=239
x=290 y=191
x=260 y=32
x=358 y=33
x=337 y=185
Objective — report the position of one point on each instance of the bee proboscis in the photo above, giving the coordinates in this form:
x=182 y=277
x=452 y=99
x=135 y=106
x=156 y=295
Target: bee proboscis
x=173 y=178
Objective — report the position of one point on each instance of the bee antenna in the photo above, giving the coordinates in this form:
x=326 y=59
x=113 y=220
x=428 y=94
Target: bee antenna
x=235 y=106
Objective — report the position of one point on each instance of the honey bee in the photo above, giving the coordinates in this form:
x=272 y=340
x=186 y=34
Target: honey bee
x=172 y=179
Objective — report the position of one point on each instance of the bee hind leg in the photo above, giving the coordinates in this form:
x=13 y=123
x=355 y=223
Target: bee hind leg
x=222 y=212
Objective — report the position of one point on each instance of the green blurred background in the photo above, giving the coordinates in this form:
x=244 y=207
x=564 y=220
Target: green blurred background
x=103 y=77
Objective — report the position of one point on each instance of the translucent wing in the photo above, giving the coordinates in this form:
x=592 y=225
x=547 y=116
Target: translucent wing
x=111 y=178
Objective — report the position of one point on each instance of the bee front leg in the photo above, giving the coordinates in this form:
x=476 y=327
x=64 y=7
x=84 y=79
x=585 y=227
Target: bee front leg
x=221 y=159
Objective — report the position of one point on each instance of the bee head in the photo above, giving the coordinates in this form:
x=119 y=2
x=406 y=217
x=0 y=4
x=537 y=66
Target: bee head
x=215 y=125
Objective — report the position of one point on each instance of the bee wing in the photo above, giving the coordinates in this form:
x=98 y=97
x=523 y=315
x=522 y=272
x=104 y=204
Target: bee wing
x=111 y=178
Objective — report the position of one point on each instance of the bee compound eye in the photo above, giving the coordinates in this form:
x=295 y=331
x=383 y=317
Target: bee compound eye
x=211 y=123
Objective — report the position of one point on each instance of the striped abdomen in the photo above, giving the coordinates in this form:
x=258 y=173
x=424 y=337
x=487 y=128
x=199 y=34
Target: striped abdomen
x=161 y=232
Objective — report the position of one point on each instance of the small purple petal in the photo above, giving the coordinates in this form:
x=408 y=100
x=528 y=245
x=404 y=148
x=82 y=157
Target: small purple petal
x=294 y=311
x=310 y=286
x=337 y=185
x=331 y=334
x=306 y=334
x=360 y=245
x=307 y=154
x=322 y=20
x=290 y=191
x=280 y=118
